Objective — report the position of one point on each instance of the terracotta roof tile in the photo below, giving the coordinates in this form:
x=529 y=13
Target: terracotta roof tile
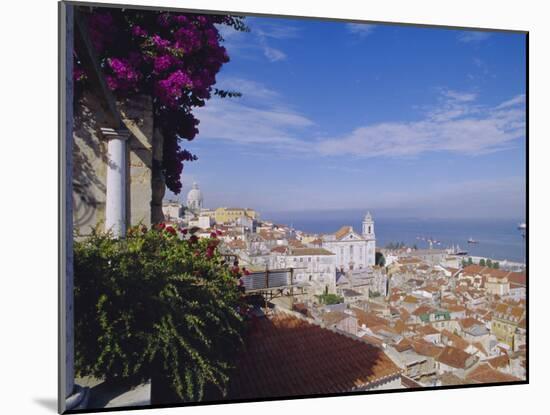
x=454 y=357
x=424 y=348
x=454 y=339
x=286 y=356
x=426 y=330
x=369 y=319
x=468 y=322
x=500 y=361
x=486 y=374
x=343 y=231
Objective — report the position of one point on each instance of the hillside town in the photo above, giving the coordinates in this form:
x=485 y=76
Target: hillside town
x=426 y=317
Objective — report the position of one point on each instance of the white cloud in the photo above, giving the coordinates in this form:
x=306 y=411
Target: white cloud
x=457 y=126
x=473 y=36
x=360 y=29
x=460 y=96
x=274 y=30
x=261 y=37
x=273 y=127
x=519 y=100
x=249 y=89
x=273 y=54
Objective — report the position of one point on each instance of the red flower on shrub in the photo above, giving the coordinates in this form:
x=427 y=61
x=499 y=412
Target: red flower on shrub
x=183 y=231
x=193 y=239
x=213 y=235
x=218 y=232
x=214 y=243
x=170 y=230
x=245 y=271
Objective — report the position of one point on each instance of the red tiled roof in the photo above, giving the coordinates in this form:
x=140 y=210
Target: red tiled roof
x=237 y=244
x=286 y=356
x=454 y=357
x=519 y=278
x=343 y=231
x=454 y=339
x=424 y=348
x=468 y=322
x=280 y=249
x=295 y=244
x=369 y=319
x=426 y=330
x=500 y=361
x=423 y=309
x=486 y=374
x=403 y=345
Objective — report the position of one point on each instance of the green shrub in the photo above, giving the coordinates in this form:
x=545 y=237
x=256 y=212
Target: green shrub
x=156 y=306
x=330 y=299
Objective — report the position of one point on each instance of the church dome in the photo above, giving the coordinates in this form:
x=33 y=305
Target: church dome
x=194 y=197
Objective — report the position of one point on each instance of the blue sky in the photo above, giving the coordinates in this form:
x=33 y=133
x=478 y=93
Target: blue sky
x=404 y=121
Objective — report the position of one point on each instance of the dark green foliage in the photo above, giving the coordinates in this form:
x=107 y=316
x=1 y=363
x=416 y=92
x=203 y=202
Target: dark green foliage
x=482 y=262
x=380 y=260
x=154 y=306
x=329 y=299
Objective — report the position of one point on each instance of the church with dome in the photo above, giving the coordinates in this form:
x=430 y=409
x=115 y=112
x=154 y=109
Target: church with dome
x=195 y=199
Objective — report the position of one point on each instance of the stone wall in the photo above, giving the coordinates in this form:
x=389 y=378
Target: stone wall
x=90 y=161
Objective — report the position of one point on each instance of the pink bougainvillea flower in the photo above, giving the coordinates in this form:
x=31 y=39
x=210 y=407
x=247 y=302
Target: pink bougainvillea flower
x=174 y=57
x=139 y=31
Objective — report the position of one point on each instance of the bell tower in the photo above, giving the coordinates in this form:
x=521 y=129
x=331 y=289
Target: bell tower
x=368 y=227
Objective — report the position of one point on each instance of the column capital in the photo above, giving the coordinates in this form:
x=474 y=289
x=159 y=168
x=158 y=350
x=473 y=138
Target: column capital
x=109 y=133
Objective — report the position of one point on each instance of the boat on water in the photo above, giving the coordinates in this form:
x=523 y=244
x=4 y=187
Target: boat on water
x=472 y=241
x=522 y=226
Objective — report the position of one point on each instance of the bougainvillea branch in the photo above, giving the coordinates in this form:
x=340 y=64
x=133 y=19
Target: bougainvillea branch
x=174 y=57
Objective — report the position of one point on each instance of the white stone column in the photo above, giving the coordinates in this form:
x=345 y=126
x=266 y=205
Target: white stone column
x=115 y=204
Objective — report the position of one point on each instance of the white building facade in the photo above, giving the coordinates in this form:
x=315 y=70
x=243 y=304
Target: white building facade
x=314 y=266
x=353 y=250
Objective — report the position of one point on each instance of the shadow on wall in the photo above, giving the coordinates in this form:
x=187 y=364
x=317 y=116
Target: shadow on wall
x=89 y=161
